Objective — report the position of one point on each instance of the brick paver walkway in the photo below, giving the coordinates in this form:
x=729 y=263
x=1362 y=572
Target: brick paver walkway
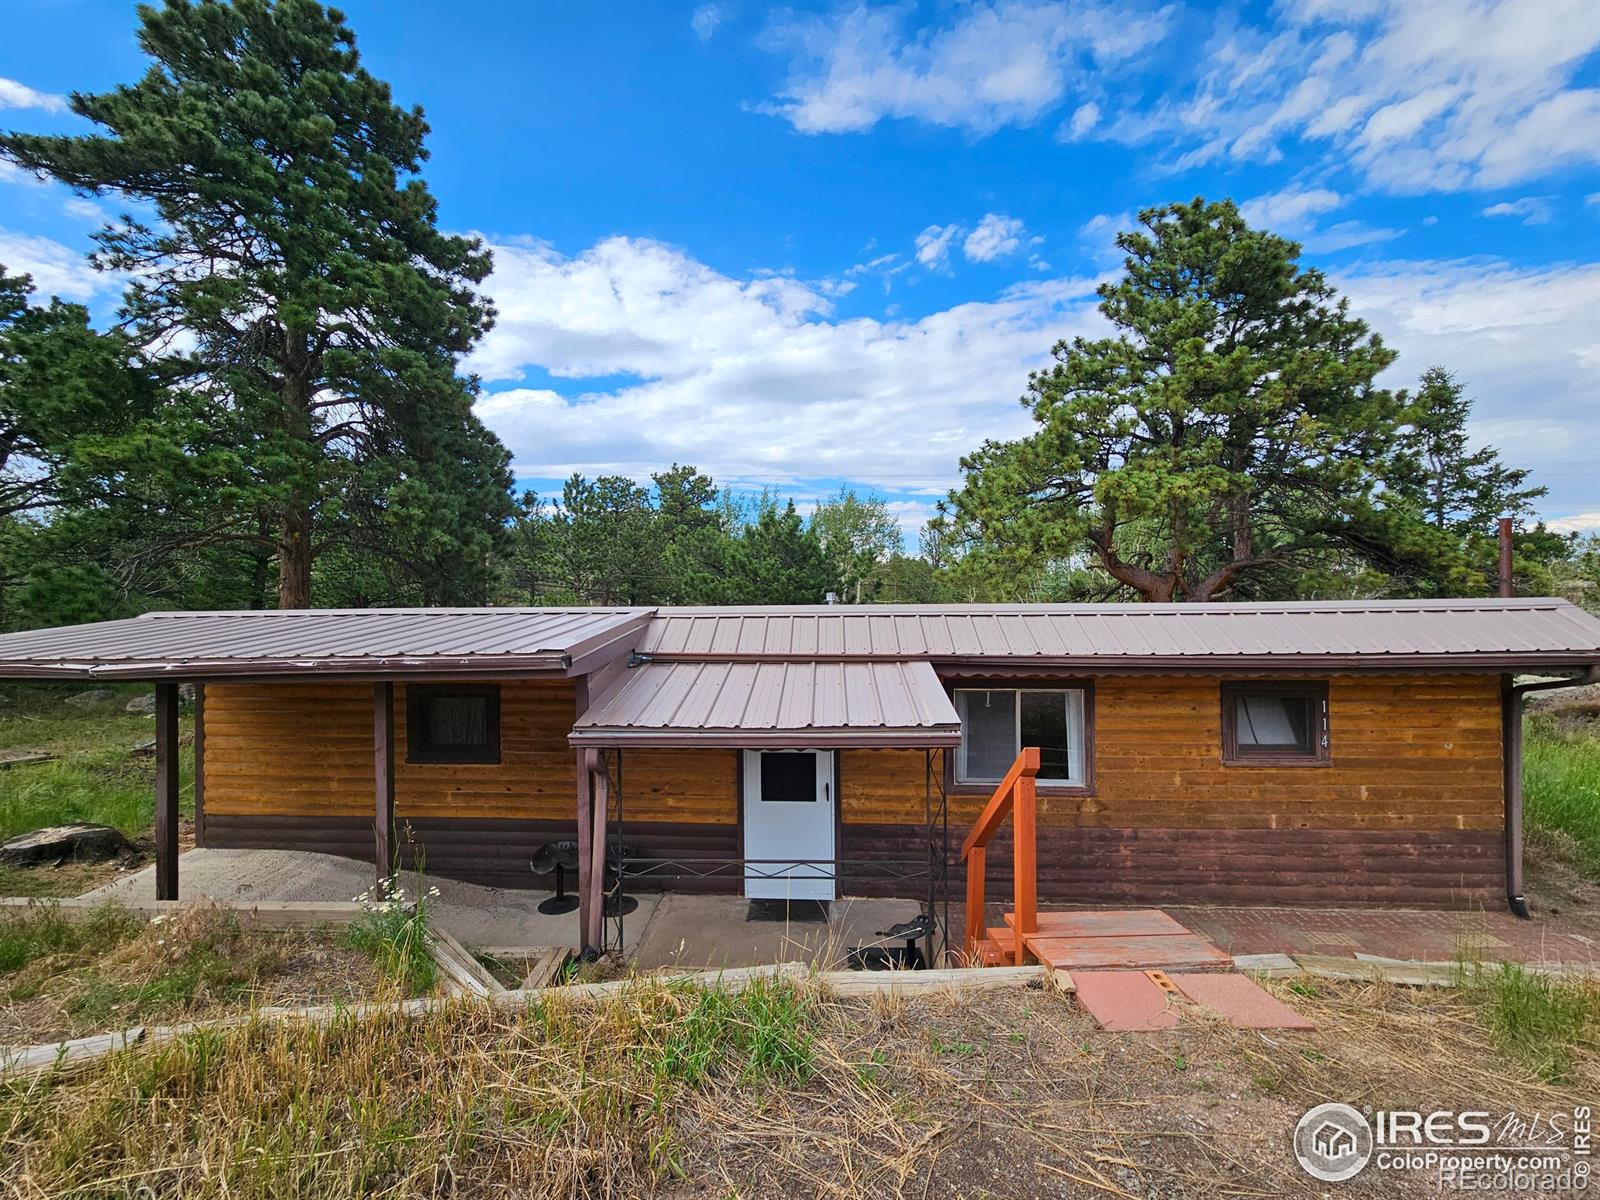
x=1427 y=935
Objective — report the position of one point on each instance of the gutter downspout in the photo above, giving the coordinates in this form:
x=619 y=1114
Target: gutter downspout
x=1511 y=727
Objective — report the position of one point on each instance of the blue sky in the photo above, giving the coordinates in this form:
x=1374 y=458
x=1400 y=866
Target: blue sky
x=826 y=243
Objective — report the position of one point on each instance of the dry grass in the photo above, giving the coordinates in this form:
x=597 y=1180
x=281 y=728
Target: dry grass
x=61 y=979
x=673 y=1091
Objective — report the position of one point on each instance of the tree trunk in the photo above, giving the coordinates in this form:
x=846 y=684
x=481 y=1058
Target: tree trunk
x=294 y=558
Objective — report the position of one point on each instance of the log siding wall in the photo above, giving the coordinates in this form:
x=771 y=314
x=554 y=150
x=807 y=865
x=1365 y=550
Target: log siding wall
x=1408 y=809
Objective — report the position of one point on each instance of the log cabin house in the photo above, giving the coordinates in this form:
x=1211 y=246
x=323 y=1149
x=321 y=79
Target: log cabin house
x=1336 y=753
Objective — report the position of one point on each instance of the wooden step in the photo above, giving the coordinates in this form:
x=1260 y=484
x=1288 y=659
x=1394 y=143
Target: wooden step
x=998 y=949
x=1134 y=922
x=1143 y=939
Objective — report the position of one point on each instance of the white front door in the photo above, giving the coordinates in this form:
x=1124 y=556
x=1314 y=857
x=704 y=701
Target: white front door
x=788 y=818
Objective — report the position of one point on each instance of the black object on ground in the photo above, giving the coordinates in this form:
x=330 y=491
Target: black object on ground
x=895 y=958
x=557 y=857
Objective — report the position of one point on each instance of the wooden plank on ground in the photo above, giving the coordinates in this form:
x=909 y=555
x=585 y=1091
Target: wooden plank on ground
x=1327 y=966
x=459 y=965
x=21 y=1060
x=24 y=760
x=544 y=967
x=911 y=983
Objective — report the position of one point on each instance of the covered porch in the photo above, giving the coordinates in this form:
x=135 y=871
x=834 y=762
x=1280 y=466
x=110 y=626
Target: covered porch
x=788 y=722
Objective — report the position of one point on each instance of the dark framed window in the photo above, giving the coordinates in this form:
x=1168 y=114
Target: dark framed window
x=997 y=722
x=1275 y=724
x=453 y=723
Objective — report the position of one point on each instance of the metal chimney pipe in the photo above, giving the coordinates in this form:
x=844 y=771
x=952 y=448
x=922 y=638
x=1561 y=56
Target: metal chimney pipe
x=1505 y=556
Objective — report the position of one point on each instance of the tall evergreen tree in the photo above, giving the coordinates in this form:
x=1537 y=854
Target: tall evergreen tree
x=1228 y=425
x=1453 y=486
x=777 y=559
x=296 y=248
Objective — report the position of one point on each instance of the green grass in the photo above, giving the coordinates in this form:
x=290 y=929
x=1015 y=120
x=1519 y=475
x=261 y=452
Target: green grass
x=1538 y=1020
x=394 y=933
x=764 y=1029
x=26 y=937
x=1561 y=786
x=96 y=779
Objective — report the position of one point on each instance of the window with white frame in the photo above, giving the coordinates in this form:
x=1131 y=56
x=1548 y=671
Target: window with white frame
x=996 y=723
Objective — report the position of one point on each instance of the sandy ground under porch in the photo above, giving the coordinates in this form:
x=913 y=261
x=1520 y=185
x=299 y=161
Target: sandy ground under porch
x=671 y=929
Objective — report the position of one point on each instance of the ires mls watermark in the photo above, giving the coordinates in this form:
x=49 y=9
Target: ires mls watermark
x=1469 y=1151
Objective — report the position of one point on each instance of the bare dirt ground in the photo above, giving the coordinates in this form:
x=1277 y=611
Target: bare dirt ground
x=1021 y=1094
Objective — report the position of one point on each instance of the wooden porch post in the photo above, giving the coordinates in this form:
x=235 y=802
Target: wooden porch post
x=199 y=764
x=585 y=837
x=601 y=783
x=383 y=779
x=166 y=791
x=1025 y=862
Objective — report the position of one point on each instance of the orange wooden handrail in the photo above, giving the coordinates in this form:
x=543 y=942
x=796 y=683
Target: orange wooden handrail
x=999 y=806
x=1016 y=797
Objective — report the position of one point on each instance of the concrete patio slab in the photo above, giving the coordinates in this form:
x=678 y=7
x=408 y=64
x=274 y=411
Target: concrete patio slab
x=711 y=931
x=475 y=915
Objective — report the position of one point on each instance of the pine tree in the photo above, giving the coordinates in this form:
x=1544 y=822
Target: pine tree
x=1453 y=486
x=1226 y=429
x=296 y=248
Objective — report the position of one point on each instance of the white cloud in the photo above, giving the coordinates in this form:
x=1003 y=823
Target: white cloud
x=1522 y=339
x=995 y=63
x=933 y=244
x=84 y=209
x=11 y=173
x=1583 y=522
x=1289 y=208
x=995 y=237
x=1534 y=210
x=1292 y=212
x=56 y=270
x=1417 y=96
x=1083 y=119
x=705 y=20
x=758 y=381
x=754 y=381
x=20 y=95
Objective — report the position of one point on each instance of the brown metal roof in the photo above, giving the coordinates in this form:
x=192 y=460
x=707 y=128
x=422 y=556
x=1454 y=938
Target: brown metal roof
x=322 y=642
x=1491 y=635
x=788 y=704
x=1508 y=634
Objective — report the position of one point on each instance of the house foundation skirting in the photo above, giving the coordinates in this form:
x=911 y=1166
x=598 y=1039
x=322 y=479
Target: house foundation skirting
x=1446 y=868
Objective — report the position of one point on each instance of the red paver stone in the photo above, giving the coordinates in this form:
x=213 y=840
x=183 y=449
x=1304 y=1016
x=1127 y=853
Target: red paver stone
x=1241 y=1001
x=1124 y=1001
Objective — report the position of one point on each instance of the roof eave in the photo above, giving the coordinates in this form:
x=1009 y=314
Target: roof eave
x=933 y=738
x=328 y=669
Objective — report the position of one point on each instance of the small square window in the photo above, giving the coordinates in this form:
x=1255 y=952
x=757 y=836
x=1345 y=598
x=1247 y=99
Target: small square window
x=453 y=724
x=1274 y=723
x=788 y=778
